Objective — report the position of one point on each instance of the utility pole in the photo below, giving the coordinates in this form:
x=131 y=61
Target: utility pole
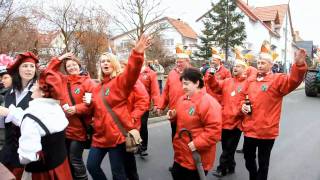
x=286 y=39
x=227 y=38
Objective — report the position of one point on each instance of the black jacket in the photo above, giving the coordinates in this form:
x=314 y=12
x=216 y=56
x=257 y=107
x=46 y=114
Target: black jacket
x=9 y=152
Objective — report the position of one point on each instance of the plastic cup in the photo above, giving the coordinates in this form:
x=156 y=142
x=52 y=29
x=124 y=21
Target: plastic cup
x=87 y=97
x=66 y=107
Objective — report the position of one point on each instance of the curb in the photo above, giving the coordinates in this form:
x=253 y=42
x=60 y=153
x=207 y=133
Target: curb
x=302 y=85
x=157 y=119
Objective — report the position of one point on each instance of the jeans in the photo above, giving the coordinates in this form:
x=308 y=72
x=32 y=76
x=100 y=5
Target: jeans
x=95 y=158
x=229 y=142
x=118 y=161
x=264 y=146
x=75 y=150
x=130 y=166
x=144 y=131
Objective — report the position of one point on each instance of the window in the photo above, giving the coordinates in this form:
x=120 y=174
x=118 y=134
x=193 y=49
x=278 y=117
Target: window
x=124 y=44
x=168 y=42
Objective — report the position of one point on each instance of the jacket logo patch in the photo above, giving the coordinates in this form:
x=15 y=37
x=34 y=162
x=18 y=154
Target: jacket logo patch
x=77 y=91
x=107 y=92
x=264 y=87
x=239 y=89
x=191 y=111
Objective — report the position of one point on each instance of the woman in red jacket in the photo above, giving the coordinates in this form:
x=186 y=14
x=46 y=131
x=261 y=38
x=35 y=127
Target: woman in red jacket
x=199 y=113
x=115 y=88
x=75 y=86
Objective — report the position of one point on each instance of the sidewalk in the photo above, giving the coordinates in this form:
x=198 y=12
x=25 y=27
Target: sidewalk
x=163 y=118
x=300 y=87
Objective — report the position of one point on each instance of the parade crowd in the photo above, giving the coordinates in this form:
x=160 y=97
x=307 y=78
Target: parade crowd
x=50 y=115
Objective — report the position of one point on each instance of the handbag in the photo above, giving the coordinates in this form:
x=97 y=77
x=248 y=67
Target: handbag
x=88 y=128
x=133 y=138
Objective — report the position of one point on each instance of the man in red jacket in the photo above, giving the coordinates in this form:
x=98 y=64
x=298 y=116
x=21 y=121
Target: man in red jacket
x=173 y=89
x=221 y=73
x=265 y=93
x=230 y=89
x=149 y=79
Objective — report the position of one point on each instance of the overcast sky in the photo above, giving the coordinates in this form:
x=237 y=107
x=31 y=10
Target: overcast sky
x=305 y=13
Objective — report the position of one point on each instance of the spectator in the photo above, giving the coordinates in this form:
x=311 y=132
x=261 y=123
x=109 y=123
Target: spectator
x=23 y=73
x=158 y=68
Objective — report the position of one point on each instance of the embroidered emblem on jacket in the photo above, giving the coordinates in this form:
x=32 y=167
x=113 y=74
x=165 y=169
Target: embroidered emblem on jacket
x=107 y=92
x=191 y=111
x=77 y=91
x=264 y=87
x=239 y=89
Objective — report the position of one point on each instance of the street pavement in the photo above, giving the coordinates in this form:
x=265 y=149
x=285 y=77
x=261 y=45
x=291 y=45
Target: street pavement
x=295 y=155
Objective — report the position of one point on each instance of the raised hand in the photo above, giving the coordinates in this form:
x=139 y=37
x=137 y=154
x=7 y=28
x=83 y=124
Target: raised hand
x=66 y=55
x=143 y=43
x=300 y=56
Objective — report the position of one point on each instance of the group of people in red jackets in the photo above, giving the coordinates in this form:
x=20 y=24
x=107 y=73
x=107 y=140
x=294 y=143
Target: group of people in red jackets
x=247 y=101
x=49 y=116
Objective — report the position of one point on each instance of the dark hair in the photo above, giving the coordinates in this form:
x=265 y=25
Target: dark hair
x=64 y=62
x=194 y=75
x=17 y=81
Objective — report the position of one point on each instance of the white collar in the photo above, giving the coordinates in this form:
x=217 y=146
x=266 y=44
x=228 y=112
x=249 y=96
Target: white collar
x=27 y=88
x=44 y=100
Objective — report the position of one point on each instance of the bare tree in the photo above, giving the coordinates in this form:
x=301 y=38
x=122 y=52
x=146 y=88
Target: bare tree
x=17 y=31
x=6 y=12
x=93 y=39
x=67 y=17
x=139 y=16
x=10 y=9
x=159 y=52
x=19 y=34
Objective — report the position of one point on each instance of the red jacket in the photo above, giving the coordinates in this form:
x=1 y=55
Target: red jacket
x=266 y=99
x=116 y=91
x=172 y=91
x=221 y=74
x=201 y=115
x=251 y=72
x=138 y=103
x=149 y=78
x=79 y=84
x=231 y=91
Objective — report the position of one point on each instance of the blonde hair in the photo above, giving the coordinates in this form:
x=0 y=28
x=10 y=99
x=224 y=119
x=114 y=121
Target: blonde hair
x=114 y=63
